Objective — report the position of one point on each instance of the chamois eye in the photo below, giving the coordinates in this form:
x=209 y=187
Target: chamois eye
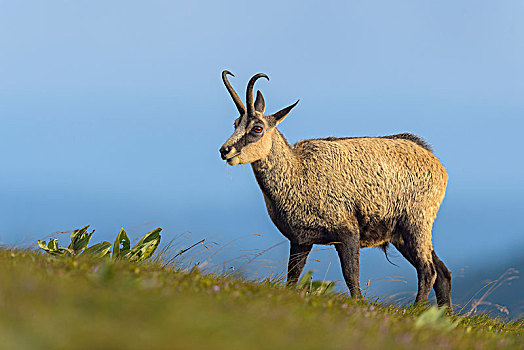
x=257 y=129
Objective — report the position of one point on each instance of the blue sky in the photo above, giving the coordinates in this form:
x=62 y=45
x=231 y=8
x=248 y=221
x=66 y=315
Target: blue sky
x=112 y=113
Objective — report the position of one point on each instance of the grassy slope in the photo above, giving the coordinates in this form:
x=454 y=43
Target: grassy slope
x=62 y=303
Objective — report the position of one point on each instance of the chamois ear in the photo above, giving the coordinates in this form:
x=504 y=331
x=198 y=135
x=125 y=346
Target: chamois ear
x=280 y=115
x=260 y=104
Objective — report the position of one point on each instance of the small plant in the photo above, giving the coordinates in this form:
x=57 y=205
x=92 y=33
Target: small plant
x=435 y=317
x=142 y=250
x=307 y=284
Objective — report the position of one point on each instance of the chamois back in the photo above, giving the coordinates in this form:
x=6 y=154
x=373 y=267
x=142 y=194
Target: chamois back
x=405 y=136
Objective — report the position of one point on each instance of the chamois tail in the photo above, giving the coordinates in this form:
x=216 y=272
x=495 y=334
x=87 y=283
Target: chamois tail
x=384 y=247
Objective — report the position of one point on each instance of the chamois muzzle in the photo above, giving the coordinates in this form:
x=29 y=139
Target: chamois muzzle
x=224 y=151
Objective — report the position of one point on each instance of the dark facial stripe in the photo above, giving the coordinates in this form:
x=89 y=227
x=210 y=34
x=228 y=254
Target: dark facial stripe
x=246 y=139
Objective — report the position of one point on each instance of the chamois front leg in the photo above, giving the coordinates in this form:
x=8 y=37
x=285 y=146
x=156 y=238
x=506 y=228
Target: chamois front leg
x=298 y=254
x=348 y=251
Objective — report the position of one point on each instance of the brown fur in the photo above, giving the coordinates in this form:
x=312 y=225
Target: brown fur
x=354 y=193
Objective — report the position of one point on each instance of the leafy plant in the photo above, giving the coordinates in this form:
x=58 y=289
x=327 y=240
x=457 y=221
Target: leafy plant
x=122 y=245
x=142 y=250
x=53 y=248
x=99 y=250
x=79 y=240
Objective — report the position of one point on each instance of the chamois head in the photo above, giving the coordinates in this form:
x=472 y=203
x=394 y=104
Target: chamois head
x=252 y=137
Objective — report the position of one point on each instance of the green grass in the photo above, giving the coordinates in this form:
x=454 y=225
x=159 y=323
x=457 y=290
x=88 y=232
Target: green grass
x=87 y=303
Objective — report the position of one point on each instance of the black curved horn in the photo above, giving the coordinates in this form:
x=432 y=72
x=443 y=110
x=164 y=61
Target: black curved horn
x=234 y=96
x=249 y=93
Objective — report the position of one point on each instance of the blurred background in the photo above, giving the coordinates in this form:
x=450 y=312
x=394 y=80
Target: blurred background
x=112 y=114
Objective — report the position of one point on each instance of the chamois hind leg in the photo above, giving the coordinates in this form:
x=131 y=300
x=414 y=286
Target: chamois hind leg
x=298 y=254
x=349 y=251
x=442 y=284
x=415 y=245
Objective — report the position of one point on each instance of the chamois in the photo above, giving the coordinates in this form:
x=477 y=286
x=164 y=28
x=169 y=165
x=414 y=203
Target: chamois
x=352 y=192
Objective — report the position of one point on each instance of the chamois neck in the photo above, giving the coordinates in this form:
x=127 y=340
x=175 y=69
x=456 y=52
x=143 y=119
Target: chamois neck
x=277 y=171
